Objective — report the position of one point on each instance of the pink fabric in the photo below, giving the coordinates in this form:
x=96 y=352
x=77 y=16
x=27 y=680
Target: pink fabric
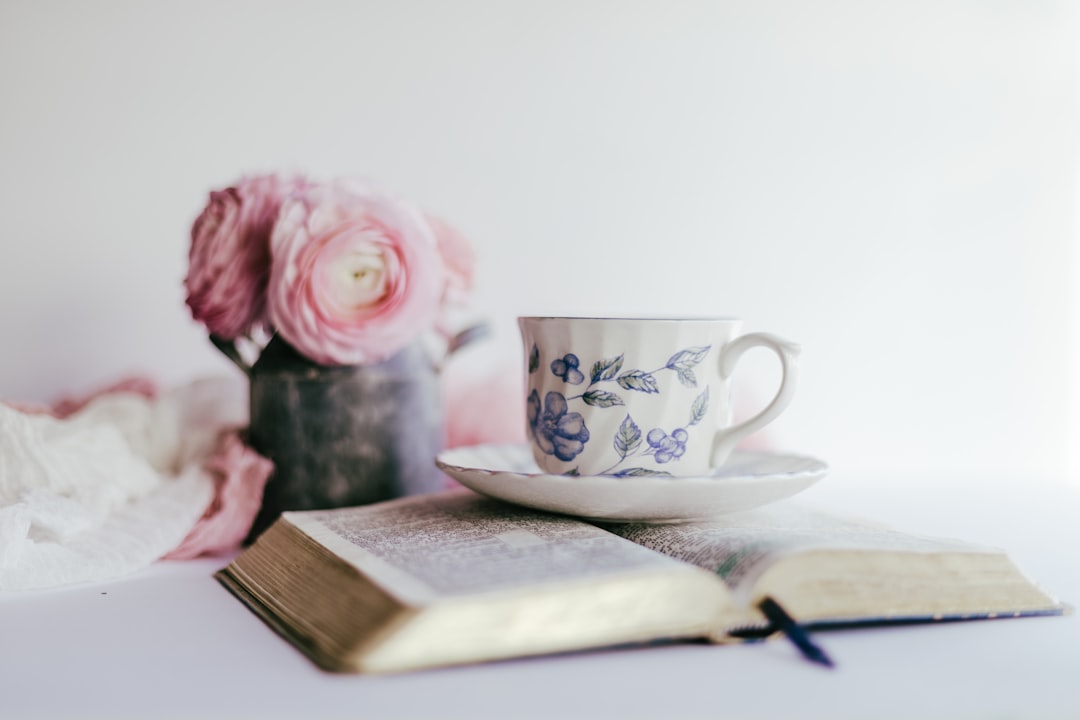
x=28 y=407
x=138 y=385
x=67 y=406
x=355 y=276
x=239 y=474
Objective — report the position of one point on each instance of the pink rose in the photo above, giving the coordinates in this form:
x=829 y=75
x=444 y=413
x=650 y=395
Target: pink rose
x=229 y=261
x=355 y=276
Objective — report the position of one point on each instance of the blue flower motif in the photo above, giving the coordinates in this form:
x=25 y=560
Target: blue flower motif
x=557 y=432
x=567 y=369
x=667 y=447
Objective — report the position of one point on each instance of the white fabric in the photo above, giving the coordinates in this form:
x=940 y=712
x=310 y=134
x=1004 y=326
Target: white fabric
x=112 y=488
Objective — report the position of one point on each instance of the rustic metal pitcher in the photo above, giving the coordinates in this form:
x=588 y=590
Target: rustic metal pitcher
x=342 y=435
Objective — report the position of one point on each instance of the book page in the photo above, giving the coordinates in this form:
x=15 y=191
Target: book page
x=459 y=543
x=742 y=546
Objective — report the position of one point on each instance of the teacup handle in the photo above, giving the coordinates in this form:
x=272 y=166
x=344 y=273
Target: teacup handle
x=725 y=440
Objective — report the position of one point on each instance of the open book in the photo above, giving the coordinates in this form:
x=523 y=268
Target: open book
x=455 y=578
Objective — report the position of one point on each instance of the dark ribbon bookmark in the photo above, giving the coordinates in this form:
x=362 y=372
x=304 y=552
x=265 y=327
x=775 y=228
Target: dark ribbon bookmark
x=797 y=635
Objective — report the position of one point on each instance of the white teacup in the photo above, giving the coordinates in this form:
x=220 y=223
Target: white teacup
x=630 y=397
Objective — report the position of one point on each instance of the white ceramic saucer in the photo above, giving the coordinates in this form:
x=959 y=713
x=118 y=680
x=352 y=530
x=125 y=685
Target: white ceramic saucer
x=747 y=480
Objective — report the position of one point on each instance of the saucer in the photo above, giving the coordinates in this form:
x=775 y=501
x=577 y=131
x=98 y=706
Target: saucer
x=747 y=480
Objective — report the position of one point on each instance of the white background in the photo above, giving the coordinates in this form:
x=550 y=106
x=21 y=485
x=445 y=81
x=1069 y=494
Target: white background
x=892 y=184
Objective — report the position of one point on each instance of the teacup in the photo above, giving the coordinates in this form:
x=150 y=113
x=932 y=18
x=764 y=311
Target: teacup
x=635 y=397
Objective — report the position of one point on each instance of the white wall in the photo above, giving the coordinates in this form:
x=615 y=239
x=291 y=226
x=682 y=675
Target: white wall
x=891 y=183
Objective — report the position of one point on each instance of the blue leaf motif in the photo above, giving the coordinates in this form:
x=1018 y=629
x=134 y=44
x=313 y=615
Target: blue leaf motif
x=573 y=472
x=686 y=359
x=686 y=377
x=628 y=438
x=642 y=472
x=638 y=380
x=606 y=369
x=600 y=398
x=699 y=408
x=534 y=359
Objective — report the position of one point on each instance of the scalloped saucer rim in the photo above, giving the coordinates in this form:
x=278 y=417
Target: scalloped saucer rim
x=749 y=479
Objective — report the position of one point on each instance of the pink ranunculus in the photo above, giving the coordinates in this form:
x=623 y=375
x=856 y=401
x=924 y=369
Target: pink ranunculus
x=356 y=276
x=459 y=259
x=229 y=261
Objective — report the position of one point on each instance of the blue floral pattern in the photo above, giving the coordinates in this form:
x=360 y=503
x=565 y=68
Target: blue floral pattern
x=666 y=448
x=567 y=369
x=556 y=431
x=562 y=433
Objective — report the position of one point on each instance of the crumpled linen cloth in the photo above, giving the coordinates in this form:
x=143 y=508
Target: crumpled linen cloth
x=112 y=487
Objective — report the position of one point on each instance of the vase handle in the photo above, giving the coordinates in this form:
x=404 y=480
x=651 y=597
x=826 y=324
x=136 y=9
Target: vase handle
x=228 y=349
x=468 y=336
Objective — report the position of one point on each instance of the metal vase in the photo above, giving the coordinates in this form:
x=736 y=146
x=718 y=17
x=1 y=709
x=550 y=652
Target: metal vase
x=346 y=435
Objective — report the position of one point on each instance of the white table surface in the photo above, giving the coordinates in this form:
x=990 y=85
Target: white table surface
x=171 y=643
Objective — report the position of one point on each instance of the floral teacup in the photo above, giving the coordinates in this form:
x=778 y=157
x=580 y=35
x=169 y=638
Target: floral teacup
x=633 y=397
